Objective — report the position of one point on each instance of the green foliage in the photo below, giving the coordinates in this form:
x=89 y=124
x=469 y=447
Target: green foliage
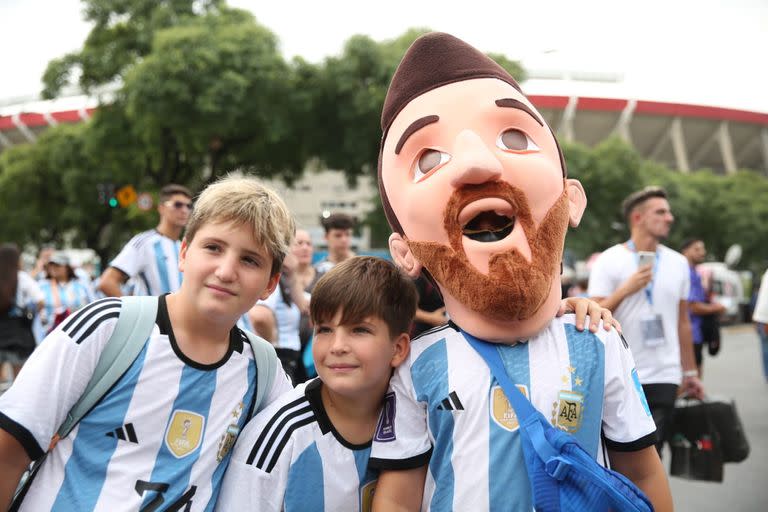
x=722 y=210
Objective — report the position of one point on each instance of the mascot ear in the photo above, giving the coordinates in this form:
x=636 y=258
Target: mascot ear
x=403 y=256
x=577 y=201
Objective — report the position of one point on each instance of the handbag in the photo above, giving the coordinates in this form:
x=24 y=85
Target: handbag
x=706 y=434
x=563 y=475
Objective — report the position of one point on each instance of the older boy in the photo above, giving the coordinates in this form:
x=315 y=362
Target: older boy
x=309 y=450
x=474 y=184
x=158 y=436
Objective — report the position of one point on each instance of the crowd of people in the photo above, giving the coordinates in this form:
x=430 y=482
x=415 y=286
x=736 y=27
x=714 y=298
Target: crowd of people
x=345 y=403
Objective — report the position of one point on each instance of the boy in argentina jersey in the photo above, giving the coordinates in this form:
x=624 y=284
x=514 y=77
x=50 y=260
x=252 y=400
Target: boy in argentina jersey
x=309 y=450
x=160 y=438
x=474 y=185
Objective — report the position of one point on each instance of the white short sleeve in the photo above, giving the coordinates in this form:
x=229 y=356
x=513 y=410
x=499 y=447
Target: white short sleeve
x=626 y=416
x=401 y=440
x=602 y=281
x=55 y=376
x=130 y=260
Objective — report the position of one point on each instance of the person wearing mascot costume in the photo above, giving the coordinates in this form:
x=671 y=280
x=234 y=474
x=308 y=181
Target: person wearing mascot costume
x=474 y=186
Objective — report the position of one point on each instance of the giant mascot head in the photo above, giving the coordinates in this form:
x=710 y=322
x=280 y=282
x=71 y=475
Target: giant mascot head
x=474 y=185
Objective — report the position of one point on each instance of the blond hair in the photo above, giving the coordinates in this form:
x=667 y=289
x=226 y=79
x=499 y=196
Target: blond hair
x=245 y=201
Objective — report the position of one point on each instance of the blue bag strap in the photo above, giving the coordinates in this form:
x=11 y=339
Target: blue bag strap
x=266 y=368
x=134 y=326
x=527 y=416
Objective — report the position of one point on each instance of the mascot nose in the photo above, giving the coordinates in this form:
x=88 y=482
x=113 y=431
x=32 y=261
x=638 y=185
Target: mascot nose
x=473 y=161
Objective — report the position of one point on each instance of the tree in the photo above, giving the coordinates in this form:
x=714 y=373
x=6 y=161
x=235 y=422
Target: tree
x=122 y=35
x=212 y=95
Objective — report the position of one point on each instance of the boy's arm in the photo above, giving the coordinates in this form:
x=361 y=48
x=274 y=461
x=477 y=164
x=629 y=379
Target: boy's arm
x=644 y=468
x=13 y=461
x=401 y=490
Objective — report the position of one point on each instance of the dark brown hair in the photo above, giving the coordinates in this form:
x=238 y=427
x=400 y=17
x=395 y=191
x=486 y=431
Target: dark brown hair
x=639 y=197
x=172 y=189
x=338 y=221
x=365 y=286
x=9 y=275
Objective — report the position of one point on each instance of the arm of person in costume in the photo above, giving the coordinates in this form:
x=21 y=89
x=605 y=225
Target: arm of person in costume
x=691 y=383
x=400 y=491
x=584 y=308
x=644 y=469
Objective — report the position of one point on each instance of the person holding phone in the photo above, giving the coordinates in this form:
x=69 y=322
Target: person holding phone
x=646 y=286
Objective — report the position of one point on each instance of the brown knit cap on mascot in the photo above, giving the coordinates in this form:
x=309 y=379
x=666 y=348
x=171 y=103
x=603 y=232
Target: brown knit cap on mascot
x=473 y=184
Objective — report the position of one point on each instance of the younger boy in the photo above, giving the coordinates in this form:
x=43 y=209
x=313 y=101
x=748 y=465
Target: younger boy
x=159 y=437
x=309 y=450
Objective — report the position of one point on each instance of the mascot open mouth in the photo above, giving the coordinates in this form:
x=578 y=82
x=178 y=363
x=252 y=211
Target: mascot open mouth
x=489 y=226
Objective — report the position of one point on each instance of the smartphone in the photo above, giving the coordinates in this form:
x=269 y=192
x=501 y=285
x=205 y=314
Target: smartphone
x=645 y=258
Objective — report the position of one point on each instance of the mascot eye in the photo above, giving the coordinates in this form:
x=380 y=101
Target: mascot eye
x=515 y=140
x=429 y=160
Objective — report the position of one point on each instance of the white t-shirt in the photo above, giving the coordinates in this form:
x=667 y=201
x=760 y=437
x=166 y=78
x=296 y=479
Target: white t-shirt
x=656 y=363
x=446 y=409
x=290 y=457
x=153 y=259
x=761 y=307
x=287 y=318
x=163 y=431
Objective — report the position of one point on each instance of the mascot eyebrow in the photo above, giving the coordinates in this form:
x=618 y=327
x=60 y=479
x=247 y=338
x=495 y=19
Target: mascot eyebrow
x=427 y=120
x=413 y=128
x=513 y=103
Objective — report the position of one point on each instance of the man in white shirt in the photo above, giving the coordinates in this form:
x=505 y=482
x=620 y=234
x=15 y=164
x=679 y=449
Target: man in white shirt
x=651 y=302
x=152 y=257
x=338 y=235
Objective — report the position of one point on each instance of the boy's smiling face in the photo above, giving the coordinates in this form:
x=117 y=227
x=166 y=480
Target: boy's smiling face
x=355 y=360
x=225 y=270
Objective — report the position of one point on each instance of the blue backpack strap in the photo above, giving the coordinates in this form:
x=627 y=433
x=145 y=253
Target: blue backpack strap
x=266 y=361
x=134 y=326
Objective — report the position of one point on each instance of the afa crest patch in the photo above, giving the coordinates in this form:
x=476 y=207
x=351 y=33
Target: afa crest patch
x=185 y=433
x=569 y=411
x=501 y=410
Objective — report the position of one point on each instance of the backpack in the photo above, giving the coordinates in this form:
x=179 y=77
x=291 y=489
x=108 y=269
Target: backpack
x=563 y=475
x=134 y=326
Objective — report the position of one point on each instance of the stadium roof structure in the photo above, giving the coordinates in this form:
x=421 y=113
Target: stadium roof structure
x=682 y=136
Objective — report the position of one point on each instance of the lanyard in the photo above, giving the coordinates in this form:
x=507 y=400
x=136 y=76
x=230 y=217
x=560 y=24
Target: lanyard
x=649 y=287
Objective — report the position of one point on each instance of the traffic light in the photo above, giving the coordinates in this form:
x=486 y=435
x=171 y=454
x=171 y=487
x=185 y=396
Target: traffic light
x=113 y=202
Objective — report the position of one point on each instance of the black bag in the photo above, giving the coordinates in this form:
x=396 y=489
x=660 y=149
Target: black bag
x=705 y=435
x=16 y=333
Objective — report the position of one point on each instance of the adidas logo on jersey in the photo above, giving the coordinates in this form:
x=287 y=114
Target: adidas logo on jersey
x=124 y=433
x=451 y=403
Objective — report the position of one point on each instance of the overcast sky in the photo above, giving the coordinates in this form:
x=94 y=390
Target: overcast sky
x=706 y=52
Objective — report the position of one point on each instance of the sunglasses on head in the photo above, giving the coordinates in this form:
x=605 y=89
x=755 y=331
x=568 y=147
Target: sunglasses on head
x=179 y=205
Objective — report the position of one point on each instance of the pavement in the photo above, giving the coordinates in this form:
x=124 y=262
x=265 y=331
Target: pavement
x=737 y=373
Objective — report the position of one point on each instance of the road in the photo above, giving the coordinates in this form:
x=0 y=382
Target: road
x=736 y=372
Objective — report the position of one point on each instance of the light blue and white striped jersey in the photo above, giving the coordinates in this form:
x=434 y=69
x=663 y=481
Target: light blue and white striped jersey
x=444 y=401
x=73 y=295
x=290 y=457
x=160 y=437
x=153 y=259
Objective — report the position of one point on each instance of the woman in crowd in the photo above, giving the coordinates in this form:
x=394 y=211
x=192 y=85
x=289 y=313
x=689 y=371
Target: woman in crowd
x=64 y=292
x=20 y=298
x=283 y=318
